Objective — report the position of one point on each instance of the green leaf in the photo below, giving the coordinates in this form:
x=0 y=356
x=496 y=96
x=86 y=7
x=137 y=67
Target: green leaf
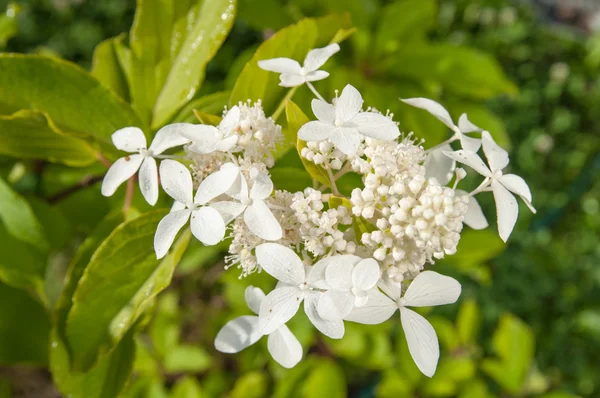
x=337 y=201
x=186 y=387
x=461 y=70
x=31 y=135
x=290 y=178
x=187 y=358
x=207 y=118
x=107 y=67
x=296 y=119
x=105 y=380
x=468 y=321
x=24 y=329
x=264 y=14
x=476 y=247
x=402 y=22
x=326 y=379
x=361 y=226
x=476 y=388
x=251 y=385
x=513 y=341
x=21 y=265
x=211 y=104
x=75 y=101
x=293 y=42
x=119 y=283
x=19 y=220
x=187 y=73
x=393 y=385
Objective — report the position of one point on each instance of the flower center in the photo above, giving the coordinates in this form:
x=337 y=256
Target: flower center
x=303 y=72
x=338 y=122
x=303 y=286
x=146 y=152
x=401 y=302
x=246 y=201
x=497 y=174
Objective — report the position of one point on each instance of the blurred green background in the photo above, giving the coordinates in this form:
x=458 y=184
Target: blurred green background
x=528 y=321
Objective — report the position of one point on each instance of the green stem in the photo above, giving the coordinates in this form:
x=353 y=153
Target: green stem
x=281 y=106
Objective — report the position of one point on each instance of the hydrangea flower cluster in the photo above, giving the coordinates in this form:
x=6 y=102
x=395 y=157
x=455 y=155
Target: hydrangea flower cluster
x=343 y=259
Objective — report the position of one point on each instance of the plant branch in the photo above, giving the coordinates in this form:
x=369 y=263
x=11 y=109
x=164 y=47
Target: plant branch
x=129 y=193
x=334 y=188
x=281 y=106
x=85 y=182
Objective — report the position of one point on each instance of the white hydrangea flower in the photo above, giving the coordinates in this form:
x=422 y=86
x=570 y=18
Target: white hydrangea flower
x=257 y=215
x=501 y=184
x=244 y=331
x=206 y=222
x=343 y=123
x=207 y=139
x=349 y=279
x=460 y=132
x=297 y=284
x=427 y=289
x=132 y=140
x=440 y=166
x=292 y=74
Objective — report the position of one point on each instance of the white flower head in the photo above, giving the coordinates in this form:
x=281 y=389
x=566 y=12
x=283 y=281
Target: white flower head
x=464 y=125
x=502 y=185
x=244 y=331
x=257 y=215
x=427 y=289
x=343 y=123
x=292 y=74
x=208 y=139
x=132 y=140
x=297 y=284
x=206 y=223
x=349 y=279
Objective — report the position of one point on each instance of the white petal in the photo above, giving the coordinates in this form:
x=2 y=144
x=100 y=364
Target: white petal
x=316 y=274
x=474 y=216
x=338 y=273
x=168 y=137
x=366 y=274
x=465 y=125
x=335 y=304
x=239 y=188
x=332 y=329
x=317 y=57
x=284 y=347
x=119 y=172
x=231 y=120
x=205 y=139
x=280 y=65
x=348 y=104
x=378 y=309
x=315 y=131
x=496 y=156
x=376 y=126
x=279 y=307
x=324 y=111
x=129 y=139
x=507 y=210
x=254 y=297
x=439 y=166
x=432 y=107
x=392 y=288
x=238 y=334
x=347 y=140
x=149 y=180
x=167 y=230
x=217 y=183
x=207 y=225
x=281 y=263
x=470 y=159
x=262 y=186
x=176 y=181
x=422 y=341
x=316 y=76
x=228 y=210
x=177 y=206
x=226 y=144
x=469 y=143
x=262 y=222
x=430 y=288
x=517 y=185
x=291 y=80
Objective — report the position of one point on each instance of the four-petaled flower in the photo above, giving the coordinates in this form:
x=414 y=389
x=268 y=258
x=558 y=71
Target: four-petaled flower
x=206 y=223
x=258 y=217
x=244 y=331
x=343 y=123
x=208 y=139
x=297 y=284
x=427 y=289
x=349 y=279
x=132 y=140
x=292 y=74
x=502 y=185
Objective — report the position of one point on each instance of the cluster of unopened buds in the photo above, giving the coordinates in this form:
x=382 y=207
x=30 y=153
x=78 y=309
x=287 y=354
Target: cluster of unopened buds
x=358 y=258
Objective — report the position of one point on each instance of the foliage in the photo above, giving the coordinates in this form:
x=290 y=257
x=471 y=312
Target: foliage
x=68 y=289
